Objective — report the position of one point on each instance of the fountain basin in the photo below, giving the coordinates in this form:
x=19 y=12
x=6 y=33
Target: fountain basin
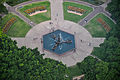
x=58 y=42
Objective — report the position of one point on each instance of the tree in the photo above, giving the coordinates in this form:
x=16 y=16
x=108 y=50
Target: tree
x=27 y=64
x=101 y=70
x=2 y=7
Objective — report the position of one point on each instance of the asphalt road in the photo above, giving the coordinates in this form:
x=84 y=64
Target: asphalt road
x=96 y=10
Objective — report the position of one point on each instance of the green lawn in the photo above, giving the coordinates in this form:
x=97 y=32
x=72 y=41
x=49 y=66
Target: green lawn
x=74 y=17
x=96 y=52
x=38 y=17
x=18 y=29
x=96 y=29
x=74 y=71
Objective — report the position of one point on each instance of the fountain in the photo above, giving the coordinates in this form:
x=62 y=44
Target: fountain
x=58 y=42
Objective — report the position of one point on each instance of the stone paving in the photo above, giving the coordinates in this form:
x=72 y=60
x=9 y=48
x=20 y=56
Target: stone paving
x=83 y=39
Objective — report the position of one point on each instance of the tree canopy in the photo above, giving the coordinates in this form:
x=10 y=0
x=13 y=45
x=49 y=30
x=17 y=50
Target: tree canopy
x=27 y=64
x=109 y=52
x=2 y=7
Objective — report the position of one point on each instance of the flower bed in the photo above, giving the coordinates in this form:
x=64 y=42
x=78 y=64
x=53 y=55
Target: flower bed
x=104 y=24
x=37 y=12
x=76 y=10
x=8 y=24
x=35 y=9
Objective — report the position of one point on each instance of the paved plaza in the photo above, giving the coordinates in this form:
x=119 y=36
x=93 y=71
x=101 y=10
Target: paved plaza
x=84 y=42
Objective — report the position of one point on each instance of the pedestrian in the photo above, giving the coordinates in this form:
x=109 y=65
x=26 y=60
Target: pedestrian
x=89 y=44
x=81 y=40
x=41 y=40
x=51 y=23
x=57 y=14
x=85 y=20
x=74 y=50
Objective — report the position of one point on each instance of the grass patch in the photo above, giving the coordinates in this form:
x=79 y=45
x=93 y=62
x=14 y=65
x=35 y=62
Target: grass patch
x=74 y=17
x=96 y=29
x=74 y=71
x=38 y=17
x=97 y=52
x=17 y=29
x=13 y=3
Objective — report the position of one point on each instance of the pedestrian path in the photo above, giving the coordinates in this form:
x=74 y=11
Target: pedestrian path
x=13 y=10
x=97 y=10
x=57 y=11
x=84 y=42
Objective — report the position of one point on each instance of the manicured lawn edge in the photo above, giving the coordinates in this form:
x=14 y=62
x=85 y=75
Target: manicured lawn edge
x=96 y=29
x=38 y=18
x=17 y=29
x=73 y=17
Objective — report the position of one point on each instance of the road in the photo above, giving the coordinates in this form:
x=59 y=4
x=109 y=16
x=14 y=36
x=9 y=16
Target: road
x=83 y=22
x=96 y=10
x=13 y=10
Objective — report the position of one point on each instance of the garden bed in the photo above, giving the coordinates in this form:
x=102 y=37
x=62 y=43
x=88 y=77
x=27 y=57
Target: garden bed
x=38 y=18
x=98 y=29
x=17 y=29
x=74 y=17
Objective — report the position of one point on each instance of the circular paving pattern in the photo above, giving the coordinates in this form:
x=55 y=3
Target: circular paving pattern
x=82 y=40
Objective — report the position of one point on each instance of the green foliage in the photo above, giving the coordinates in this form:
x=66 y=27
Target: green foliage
x=3 y=9
x=87 y=67
x=74 y=71
x=101 y=70
x=27 y=64
x=15 y=2
x=114 y=9
x=110 y=53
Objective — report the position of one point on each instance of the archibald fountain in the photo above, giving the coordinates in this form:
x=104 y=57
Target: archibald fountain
x=58 y=42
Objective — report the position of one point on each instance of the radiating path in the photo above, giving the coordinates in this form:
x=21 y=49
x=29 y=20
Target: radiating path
x=97 y=10
x=83 y=41
x=95 y=57
x=57 y=11
x=27 y=2
x=13 y=10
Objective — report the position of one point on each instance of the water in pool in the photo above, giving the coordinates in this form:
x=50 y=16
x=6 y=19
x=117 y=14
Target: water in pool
x=58 y=42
